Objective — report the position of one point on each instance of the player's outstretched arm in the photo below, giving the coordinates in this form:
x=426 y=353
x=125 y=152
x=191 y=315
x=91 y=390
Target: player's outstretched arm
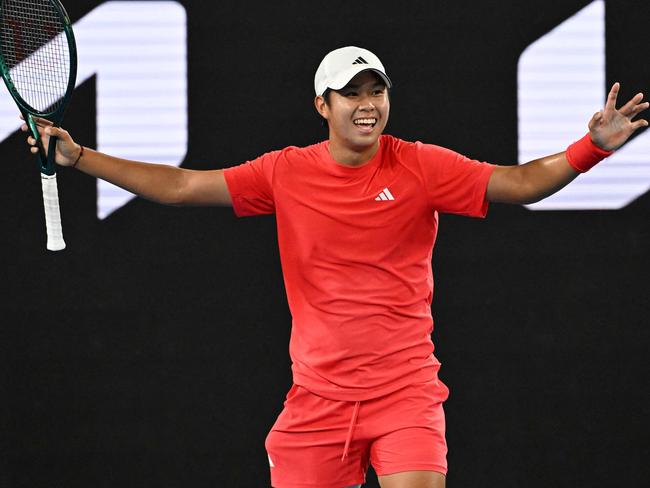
x=157 y=182
x=609 y=129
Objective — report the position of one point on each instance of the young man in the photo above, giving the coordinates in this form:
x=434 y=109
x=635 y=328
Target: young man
x=357 y=220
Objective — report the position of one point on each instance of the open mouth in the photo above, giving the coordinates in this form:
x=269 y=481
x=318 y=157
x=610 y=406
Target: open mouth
x=367 y=123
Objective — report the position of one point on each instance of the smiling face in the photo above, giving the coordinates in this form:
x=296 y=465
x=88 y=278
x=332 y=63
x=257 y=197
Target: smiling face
x=356 y=115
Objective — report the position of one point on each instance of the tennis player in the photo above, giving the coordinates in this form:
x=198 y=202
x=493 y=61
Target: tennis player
x=357 y=217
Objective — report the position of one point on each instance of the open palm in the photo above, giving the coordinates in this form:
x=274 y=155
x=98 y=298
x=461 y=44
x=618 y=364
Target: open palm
x=611 y=127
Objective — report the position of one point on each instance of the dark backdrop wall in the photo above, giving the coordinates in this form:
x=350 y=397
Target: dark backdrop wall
x=153 y=351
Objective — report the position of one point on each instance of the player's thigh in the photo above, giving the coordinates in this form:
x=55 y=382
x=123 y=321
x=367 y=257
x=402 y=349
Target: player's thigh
x=306 y=443
x=413 y=479
x=415 y=444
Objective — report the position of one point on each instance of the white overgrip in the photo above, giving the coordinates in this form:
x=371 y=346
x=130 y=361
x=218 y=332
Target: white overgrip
x=55 y=240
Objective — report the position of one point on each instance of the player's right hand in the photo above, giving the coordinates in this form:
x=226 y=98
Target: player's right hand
x=67 y=151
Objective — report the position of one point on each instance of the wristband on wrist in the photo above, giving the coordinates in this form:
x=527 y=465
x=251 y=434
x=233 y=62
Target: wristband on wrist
x=583 y=154
x=81 y=153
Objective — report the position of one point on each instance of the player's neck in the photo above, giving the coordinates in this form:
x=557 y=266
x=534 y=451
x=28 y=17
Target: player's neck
x=351 y=156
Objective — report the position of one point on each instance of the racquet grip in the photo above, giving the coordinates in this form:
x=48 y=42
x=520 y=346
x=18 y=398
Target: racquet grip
x=55 y=240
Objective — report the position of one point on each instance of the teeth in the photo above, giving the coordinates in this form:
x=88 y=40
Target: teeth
x=365 y=121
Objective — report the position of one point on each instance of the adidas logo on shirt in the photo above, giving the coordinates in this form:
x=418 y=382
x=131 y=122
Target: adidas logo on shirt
x=385 y=195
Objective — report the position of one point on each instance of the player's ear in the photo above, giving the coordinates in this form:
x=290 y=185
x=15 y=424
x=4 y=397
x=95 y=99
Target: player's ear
x=321 y=106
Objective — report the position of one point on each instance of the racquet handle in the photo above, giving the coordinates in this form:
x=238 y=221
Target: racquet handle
x=55 y=240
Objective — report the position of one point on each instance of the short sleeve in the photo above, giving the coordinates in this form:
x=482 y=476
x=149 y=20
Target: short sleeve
x=454 y=183
x=251 y=185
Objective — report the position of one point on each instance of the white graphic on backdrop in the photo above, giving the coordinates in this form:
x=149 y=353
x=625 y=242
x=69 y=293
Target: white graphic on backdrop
x=138 y=53
x=561 y=85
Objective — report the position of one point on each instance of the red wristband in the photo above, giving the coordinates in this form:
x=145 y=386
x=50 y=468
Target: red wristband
x=583 y=154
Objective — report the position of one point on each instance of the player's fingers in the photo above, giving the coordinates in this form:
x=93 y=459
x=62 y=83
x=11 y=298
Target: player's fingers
x=611 y=98
x=43 y=122
x=641 y=107
x=630 y=106
x=37 y=119
x=40 y=121
x=637 y=124
x=26 y=128
x=63 y=136
x=637 y=110
x=55 y=131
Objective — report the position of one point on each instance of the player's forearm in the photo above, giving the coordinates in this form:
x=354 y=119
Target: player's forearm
x=157 y=182
x=538 y=179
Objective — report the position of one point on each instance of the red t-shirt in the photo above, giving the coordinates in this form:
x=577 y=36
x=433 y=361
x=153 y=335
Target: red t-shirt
x=355 y=246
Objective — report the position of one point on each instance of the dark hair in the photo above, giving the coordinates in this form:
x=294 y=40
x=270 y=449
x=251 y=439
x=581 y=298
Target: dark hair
x=326 y=95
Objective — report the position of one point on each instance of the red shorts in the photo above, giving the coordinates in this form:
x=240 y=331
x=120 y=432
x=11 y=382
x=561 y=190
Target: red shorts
x=321 y=443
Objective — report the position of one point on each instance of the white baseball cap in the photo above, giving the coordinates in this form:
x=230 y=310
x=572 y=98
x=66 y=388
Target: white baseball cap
x=341 y=65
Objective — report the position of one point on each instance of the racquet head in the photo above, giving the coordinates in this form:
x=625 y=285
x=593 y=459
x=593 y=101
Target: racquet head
x=38 y=61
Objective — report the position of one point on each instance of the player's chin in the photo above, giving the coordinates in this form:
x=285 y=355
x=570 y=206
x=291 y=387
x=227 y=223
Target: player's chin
x=370 y=138
x=361 y=144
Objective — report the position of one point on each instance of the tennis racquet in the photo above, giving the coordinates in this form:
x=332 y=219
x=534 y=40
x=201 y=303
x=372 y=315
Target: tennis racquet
x=38 y=63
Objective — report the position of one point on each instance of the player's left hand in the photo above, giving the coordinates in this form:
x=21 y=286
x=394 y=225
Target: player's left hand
x=611 y=127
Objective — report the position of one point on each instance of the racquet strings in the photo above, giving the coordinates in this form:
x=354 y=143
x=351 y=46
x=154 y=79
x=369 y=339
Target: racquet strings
x=35 y=49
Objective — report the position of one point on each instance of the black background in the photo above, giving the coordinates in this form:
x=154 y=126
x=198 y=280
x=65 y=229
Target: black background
x=153 y=351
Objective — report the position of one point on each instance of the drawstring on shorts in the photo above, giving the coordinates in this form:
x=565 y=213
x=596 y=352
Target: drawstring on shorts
x=353 y=422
